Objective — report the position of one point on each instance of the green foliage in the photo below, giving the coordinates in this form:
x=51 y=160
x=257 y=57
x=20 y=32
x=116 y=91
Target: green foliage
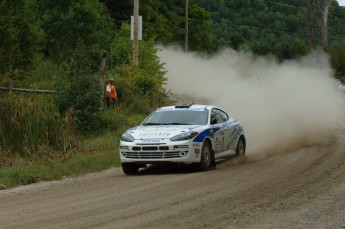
x=55 y=29
x=68 y=25
x=120 y=10
x=299 y=48
x=338 y=61
x=80 y=164
x=265 y=27
x=77 y=88
x=76 y=34
x=163 y=21
x=121 y=48
x=18 y=38
x=139 y=91
x=97 y=151
x=200 y=24
x=42 y=75
x=139 y=88
x=17 y=175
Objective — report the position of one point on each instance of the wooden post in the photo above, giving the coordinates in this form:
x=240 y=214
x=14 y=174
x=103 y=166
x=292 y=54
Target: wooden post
x=10 y=84
x=102 y=70
x=186 y=28
x=312 y=41
x=136 y=33
x=324 y=25
x=102 y=80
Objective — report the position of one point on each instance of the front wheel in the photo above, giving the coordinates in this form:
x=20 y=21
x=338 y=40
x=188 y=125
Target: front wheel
x=241 y=148
x=130 y=168
x=206 y=157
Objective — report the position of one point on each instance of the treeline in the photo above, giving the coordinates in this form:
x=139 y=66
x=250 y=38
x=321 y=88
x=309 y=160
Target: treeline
x=274 y=28
x=56 y=29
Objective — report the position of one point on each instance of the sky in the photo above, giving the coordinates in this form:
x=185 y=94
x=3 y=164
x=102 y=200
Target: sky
x=341 y=2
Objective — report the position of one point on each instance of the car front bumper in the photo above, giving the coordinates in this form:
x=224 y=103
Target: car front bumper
x=163 y=151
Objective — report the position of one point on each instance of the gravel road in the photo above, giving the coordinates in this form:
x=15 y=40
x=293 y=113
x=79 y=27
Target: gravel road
x=300 y=189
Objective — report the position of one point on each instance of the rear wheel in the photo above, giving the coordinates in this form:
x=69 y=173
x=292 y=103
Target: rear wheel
x=130 y=168
x=206 y=157
x=241 y=148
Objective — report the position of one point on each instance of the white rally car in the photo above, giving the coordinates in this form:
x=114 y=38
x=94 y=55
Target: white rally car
x=185 y=133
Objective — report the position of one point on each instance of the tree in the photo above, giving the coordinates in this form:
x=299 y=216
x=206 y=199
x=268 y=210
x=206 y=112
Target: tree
x=78 y=88
x=19 y=37
x=70 y=24
x=318 y=10
x=338 y=61
x=119 y=10
x=324 y=8
x=77 y=33
x=137 y=87
x=200 y=36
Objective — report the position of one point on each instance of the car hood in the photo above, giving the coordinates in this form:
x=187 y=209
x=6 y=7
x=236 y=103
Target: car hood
x=161 y=132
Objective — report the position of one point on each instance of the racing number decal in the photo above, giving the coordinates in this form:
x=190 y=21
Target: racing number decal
x=219 y=141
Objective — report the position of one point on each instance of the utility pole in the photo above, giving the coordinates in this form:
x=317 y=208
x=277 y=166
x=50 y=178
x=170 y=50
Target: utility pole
x=186 y=28
x=318 y=10
x=102 y=80
x=312 y=40
x=324 y=26
x=136 y=33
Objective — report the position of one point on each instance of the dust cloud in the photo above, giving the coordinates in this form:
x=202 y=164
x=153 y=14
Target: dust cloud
x=283 y=106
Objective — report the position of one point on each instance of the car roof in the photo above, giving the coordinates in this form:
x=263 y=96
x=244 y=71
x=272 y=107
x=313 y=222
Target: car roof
x=186 y=106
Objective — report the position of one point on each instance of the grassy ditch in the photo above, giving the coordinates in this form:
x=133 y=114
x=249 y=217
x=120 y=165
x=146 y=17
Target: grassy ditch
x=29 y=172
x=92 y=152
x=96 y=152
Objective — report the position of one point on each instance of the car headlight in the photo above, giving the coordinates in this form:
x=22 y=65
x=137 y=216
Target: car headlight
x=184 y=136
x=126 y=137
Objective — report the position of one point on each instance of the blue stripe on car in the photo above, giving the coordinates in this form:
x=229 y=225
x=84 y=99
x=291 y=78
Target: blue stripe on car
x=206 y=133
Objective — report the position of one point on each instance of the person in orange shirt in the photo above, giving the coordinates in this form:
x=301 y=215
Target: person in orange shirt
x=111 y=95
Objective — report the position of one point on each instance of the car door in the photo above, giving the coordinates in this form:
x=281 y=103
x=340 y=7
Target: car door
x=218 y=121
x=227 y=129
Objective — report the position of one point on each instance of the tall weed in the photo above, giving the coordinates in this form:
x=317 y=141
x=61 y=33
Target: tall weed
x=28 y=124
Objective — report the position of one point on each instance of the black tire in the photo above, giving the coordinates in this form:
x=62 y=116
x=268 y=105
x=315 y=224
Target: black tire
x=206 y=157
x=241 y=148
x=130 y=168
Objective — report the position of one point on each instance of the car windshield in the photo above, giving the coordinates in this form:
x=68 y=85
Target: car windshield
x=178 y=117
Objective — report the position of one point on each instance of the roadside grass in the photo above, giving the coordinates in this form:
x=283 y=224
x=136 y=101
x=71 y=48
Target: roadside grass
x=97 y=151
x=80 y=164
x=93 y=151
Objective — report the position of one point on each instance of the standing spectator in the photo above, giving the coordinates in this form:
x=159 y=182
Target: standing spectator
x=111 y=95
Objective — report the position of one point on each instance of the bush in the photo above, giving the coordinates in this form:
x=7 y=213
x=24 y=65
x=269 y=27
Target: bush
x=78 y=88
x=139 y=88
x=338 y=62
